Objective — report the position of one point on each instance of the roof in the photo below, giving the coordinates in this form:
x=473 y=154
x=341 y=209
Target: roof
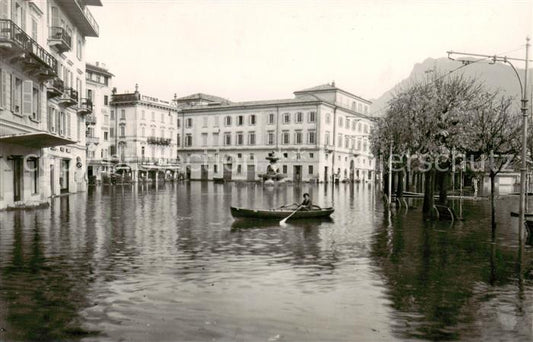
x=98 y=69
x=329 y=87
x=202 y=96
x=326 y=86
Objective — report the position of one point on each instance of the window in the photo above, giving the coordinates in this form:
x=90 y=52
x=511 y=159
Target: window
x=311 y=137
x=298 y=137
x=340 y=121
x=122 y=131
x=33 y=167
x=353 y=125
x=178 y=140
x=311 y=116
x=287 y=118
x=339 y=140
x=239 y=155
x=359 y=108
x=51 y=119
x=215 y=139
x=204 y=139
x=251 y=156
x=251 y=138
x=106 y=102
x=347 y=123
x=215 y=168
x=359 y=127
x=78 y=49
x=346 y=142
x=239 y=169
x=112 y=132
x=162 y=117
x=188 y=140
x=299 y=117
x=311 y=155
x=240 y=139
x=153 y=116
x=227 y=121
x=252 y=119
x=105 y=136
x=34 y=29
x=123 y=114
x=327 y=139
x=270 y=138
x=285 y=155
x=179 y=123
x=36 y=103
x=284 y=168
x=188 y=123
x=112 y=115
x=215 y=124
x=310 y=169
x=271 y=118
x=285 y=138
x=227 y=139
x=240 y=120
x=16 y=96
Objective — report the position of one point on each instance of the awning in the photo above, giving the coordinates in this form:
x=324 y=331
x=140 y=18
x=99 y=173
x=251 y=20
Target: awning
x=36 y=140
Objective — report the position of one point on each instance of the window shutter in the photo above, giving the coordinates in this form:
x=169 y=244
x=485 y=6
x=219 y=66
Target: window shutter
x=23 y=17
x=27 y=98
x=4 y=10
x=67 y=128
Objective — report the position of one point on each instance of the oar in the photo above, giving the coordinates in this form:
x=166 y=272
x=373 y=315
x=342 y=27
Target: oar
x=282 y=222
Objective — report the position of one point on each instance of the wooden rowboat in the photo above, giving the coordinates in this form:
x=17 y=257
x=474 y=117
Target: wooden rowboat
x=278 y=214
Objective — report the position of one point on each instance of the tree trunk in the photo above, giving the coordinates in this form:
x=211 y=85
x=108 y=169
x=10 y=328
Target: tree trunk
x=399 y=185
x=429 y=202
x=443 y=187
x=492 y=208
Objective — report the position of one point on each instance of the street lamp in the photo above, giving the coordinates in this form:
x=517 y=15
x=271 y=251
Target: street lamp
x=523 y=109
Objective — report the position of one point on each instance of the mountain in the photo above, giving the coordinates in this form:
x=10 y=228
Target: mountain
x=495 y=76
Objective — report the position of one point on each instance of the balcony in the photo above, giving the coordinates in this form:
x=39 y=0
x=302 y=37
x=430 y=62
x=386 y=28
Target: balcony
x=19 y=48
x=86 y=107
x=90 y=120
x=69 y=98
x=81 y=17
x=60 y=39
x=92 y=140
x=158 y=141
x=55 y=87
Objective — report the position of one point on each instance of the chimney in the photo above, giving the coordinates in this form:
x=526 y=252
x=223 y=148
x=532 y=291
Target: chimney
x=333 y=84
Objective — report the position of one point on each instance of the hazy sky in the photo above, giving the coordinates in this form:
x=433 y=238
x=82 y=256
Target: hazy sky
x=247 y=50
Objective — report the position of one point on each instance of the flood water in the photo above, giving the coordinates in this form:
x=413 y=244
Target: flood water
x=168 y=263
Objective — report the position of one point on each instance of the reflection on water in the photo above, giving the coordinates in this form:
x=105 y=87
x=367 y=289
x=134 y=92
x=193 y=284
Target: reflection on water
x=168 y=262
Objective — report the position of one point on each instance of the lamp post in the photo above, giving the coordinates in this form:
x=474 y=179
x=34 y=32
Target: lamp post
x=523 y=109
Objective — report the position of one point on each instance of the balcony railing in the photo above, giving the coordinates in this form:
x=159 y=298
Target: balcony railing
x=60 y=39
x=158 y=141
x=92 y=140
x=55 y=87
x=86 y=106
x=69 y=98
x=33 y=56
x=117 y=98
x=90 y=119
x=81 y=17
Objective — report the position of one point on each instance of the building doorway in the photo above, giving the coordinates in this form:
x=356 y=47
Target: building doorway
x=17 y=179
x=52 y=183
x=250 y=173
x=297 y=173
x=64 y=176
x=226 y=175
x=326 y=174
x=204 y=173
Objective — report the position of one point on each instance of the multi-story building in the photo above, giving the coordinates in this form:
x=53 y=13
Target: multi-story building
x=42 y=144
x=322 y=134
x=98 y=83
x=69 y=24
x=143 y=135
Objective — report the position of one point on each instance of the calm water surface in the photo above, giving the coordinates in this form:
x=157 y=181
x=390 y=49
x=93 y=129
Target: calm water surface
x=141 y=263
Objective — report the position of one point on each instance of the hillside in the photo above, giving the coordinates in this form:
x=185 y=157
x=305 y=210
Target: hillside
x=495 y=76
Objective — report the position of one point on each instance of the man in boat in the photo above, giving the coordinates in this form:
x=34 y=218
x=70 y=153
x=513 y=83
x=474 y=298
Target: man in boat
x=306 y=203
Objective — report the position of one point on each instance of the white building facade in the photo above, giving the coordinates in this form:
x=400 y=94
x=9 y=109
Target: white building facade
x=42 y=140
x=320 y=135
x=98 y=124
x=143 y=136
